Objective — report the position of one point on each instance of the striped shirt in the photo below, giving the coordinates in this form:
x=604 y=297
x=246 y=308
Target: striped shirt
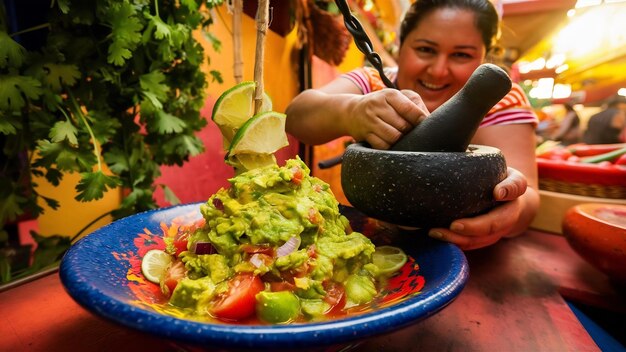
x=514 y=108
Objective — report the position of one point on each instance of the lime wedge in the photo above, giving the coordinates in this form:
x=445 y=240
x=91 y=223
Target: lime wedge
x=389 y=259
x=234 y=107
x=245 y=162
x=154 y=264
x=262 y=134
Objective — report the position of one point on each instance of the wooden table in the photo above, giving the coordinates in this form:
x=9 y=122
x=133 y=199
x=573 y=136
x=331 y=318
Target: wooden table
x=513 y=301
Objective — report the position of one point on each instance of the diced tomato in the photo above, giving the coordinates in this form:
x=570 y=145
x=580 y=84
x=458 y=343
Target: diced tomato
x=239 y=301
x=335 y=296
x=314 y=216
x=282 y=286
x=311 y=251
x=297 y=175
x=175 y=272
x=180 y=242
x=621 y=160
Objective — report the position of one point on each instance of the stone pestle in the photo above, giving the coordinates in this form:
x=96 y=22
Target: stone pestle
x=451 y=127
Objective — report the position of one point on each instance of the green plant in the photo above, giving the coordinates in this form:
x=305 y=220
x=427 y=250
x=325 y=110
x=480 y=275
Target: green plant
x=117 y=83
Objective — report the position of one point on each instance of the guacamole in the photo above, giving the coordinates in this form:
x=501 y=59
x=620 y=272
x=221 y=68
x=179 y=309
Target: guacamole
x=278 y=249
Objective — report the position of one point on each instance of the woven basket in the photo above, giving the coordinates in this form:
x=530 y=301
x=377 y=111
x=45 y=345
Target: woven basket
x=583 y=189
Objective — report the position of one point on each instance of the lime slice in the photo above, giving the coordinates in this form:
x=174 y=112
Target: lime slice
x=154 y=264
x=262 y=134
x=389 y=259
x=235 y=106
x=245 y=162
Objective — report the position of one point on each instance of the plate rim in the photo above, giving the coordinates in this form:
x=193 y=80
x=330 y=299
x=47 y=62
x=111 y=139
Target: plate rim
x=336 y=331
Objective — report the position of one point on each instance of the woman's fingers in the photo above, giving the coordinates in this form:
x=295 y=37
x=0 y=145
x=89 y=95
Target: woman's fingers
x=512 y=187
x=390 y=114
x=384 y=116
x=483 y=230
x=419 y=111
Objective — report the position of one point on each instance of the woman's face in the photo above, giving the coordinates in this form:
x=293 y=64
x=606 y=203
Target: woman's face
x=439 y=55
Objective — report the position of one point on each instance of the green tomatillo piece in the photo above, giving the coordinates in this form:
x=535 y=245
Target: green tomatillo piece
x=277 y=307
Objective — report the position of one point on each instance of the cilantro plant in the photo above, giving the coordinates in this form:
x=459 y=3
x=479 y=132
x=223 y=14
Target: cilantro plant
x=117 y=82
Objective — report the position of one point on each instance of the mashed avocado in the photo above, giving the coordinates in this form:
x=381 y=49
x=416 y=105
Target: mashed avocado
x=281 y=225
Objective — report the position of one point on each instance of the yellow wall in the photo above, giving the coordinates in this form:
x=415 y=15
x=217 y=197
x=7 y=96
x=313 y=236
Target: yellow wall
x=72 y=216
x=280 y=77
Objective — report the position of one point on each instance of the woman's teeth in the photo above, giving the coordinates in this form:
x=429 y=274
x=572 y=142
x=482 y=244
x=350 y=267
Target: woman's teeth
x=432 y=86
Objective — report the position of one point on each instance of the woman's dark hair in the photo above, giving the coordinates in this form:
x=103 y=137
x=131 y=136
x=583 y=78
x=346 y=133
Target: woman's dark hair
x=487 y=21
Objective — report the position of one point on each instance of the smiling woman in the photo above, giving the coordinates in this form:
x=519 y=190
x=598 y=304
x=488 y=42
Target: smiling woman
x=432 y=67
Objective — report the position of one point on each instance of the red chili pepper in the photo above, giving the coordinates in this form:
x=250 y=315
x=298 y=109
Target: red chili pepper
x=557 y=153
x=581 y=173
x=621 y=160
x=583 y=150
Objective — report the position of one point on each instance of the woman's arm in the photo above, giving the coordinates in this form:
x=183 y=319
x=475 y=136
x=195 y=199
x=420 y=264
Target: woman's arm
x=518 y=192
x=339 y=109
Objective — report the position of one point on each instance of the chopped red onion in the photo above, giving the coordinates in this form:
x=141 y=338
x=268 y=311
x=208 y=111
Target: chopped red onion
x=291 y=245
x=256 y=260
x=217 y=203
x=203 y=248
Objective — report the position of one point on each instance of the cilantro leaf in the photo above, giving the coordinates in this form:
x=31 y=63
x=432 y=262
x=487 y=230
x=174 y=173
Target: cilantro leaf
x=10 y=207
x=151 y=103
x=117 y=161
x=184 y=145
x=92 y=185
x=168 y=123
x=65 y=157
x=8 y=124
x=52 y=203
x=63 y=130
x=58 y=74
x=190 y=4
x=53 y=176
x=119 y=53
x=161 y=29
x=153 y=83
x=103 y=126
x=169 y=195
x=125 y=32
x=13 y=86
x=217 y=76
x=64 y=5
x=11 y=53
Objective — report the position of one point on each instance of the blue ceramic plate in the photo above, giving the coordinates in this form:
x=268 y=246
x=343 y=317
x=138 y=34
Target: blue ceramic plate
x=102 y=273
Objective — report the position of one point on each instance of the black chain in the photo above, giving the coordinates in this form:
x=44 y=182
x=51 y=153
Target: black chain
x=362 y=41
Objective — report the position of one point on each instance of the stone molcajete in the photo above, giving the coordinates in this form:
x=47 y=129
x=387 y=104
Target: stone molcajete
x=433 y=175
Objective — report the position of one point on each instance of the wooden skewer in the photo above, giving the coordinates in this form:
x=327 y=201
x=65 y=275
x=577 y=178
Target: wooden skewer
x=237 y=61
x=261 y=27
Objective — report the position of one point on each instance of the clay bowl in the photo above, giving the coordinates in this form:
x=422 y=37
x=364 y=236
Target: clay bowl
x=421 y=189
x=597 y=232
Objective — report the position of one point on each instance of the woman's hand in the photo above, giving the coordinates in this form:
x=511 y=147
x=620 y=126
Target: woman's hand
x=382 y=117
x=487 y=229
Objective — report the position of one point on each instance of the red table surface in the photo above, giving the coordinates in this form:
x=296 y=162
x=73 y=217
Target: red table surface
x=513 y=301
